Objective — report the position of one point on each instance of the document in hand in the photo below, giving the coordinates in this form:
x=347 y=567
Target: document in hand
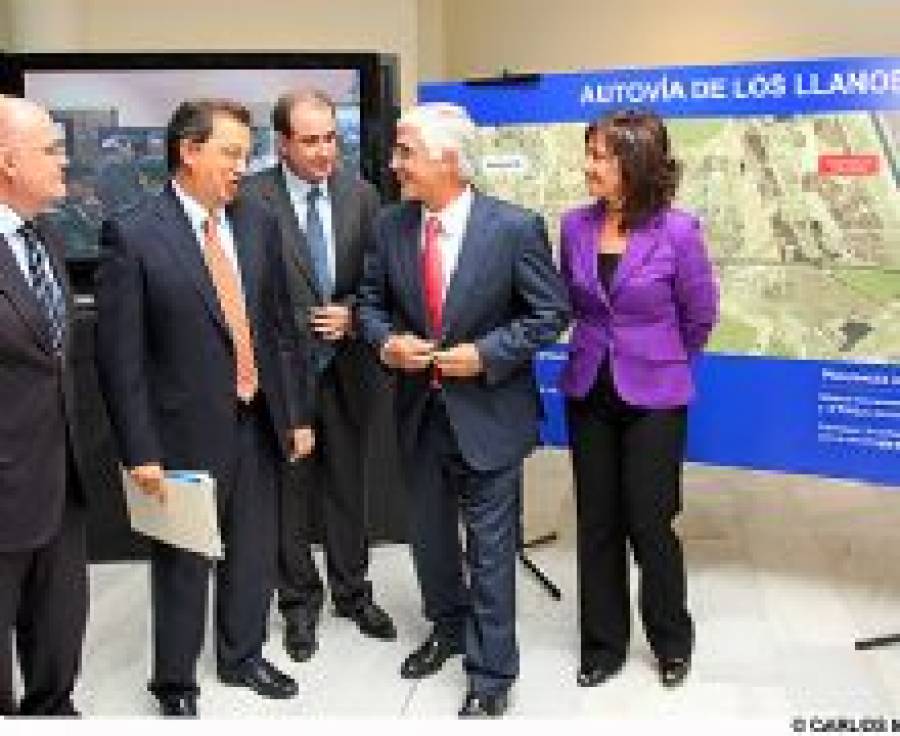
x=188 y=519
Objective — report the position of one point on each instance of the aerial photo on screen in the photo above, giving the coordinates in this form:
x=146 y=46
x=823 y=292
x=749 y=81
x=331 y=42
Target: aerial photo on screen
x=114 y=127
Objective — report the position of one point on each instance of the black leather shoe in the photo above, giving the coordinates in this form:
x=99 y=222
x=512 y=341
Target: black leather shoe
x=299 y=641
x=597 y=674
x=178 y=706
x=430 y=657
x=484 y=706
x=175 y=700
x=371 y=619
x=263 y=678
x=673 y=671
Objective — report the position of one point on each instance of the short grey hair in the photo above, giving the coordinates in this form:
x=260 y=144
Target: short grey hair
x=445 y=127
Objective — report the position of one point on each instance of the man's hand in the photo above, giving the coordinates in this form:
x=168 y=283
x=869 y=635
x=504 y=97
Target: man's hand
x=460 y=361
x=407 y=353
x=302 y=441
x=331 y=322
x=149 y=478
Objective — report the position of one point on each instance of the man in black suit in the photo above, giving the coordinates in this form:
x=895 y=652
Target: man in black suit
x=43 y=570
x=459 y=293
x=201 y=366
x=326 y=220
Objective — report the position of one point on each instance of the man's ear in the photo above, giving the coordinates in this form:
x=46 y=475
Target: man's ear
x=8 y=161
x=450 y=159
x=281 y=142
x=187 y=151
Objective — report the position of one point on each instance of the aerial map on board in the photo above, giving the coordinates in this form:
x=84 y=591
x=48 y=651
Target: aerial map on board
x=801 y=213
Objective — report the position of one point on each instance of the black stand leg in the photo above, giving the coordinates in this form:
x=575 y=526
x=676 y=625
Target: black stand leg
x=521 y=545
x=876 y=641
x=551 y=588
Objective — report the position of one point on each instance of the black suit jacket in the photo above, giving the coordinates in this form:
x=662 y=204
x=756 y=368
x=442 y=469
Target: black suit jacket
x=164 y=352
x=38 y=412
x=506 y=296
x=354 y=206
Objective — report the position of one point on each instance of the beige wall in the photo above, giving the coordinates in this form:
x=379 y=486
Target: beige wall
x=5 y=20
x=452 y=39
x=183 y=25
x=485 y=36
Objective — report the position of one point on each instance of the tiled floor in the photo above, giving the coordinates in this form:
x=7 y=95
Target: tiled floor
x=784 y=573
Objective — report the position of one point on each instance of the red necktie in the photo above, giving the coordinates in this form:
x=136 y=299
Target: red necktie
x=433 y=275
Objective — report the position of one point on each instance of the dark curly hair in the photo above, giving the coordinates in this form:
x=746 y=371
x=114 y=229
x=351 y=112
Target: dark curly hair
x=650 y=175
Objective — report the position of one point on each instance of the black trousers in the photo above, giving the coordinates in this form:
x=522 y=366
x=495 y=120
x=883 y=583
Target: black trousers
x=627 y=466
x=329 y=483
x=44 y=599
x=244 y=578
x=470 y=595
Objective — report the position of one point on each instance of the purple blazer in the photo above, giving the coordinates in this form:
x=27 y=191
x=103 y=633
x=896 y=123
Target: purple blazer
x=660 y=309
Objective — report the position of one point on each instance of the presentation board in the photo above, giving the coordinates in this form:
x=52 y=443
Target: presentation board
x=794 y=170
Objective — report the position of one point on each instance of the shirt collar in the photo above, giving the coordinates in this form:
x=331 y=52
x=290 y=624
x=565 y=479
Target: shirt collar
x=195 y=211
x=10 y=220
x=454 y=216
x=300 y=188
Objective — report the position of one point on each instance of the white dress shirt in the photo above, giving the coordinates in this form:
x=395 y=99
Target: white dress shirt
x=298 y=191
x=453 y=218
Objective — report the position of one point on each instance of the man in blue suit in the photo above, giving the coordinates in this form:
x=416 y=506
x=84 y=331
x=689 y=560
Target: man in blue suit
x=202 y=369
x=459 y=292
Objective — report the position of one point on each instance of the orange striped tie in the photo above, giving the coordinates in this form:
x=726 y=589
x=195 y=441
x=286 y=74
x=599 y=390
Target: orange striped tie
x=231 y=300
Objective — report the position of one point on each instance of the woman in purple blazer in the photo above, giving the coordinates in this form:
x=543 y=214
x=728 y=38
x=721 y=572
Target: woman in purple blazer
x=645 y=300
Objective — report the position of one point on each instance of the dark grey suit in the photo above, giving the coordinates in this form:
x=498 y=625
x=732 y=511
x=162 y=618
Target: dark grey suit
x=43 y=572
x=463 y=444
x=166 y=363
x=331 y=482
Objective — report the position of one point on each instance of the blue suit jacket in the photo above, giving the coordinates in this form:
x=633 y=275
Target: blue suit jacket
x=164 y=351
x=505 y=296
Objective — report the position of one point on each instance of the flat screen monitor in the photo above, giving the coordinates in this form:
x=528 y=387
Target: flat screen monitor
x=113 y=108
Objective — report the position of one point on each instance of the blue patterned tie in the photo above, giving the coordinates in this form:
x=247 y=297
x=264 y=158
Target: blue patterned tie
x=45 y=286
x=318 y=245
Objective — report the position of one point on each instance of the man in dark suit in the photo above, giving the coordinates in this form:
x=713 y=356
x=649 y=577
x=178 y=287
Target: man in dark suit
x=201 y=367
x=43 y=570
x=459 y=293
x=326 y=220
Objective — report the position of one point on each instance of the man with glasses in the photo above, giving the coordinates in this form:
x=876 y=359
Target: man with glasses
x=43 y=571
x=202 y=367
x=326 y=219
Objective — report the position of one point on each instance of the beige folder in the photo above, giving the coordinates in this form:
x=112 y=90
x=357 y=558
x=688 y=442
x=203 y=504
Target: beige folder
x=188 y=519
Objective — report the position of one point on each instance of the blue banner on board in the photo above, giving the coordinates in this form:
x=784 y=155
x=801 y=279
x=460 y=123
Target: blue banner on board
x=769 y=88
x=827 y=418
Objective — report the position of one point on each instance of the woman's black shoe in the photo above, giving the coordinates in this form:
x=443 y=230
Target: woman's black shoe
x=598 y=674
x=673 y=671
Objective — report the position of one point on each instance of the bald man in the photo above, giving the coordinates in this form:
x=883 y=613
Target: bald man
x=43 y=573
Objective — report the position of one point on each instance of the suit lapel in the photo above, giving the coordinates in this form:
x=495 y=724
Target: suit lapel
x=296 y=247
x=587 y=254
x=245 y=237
x=640 y=246
x=340 y=204
x=179 y=236
x=14 y=285
x=470 y=263
x=409 y=257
